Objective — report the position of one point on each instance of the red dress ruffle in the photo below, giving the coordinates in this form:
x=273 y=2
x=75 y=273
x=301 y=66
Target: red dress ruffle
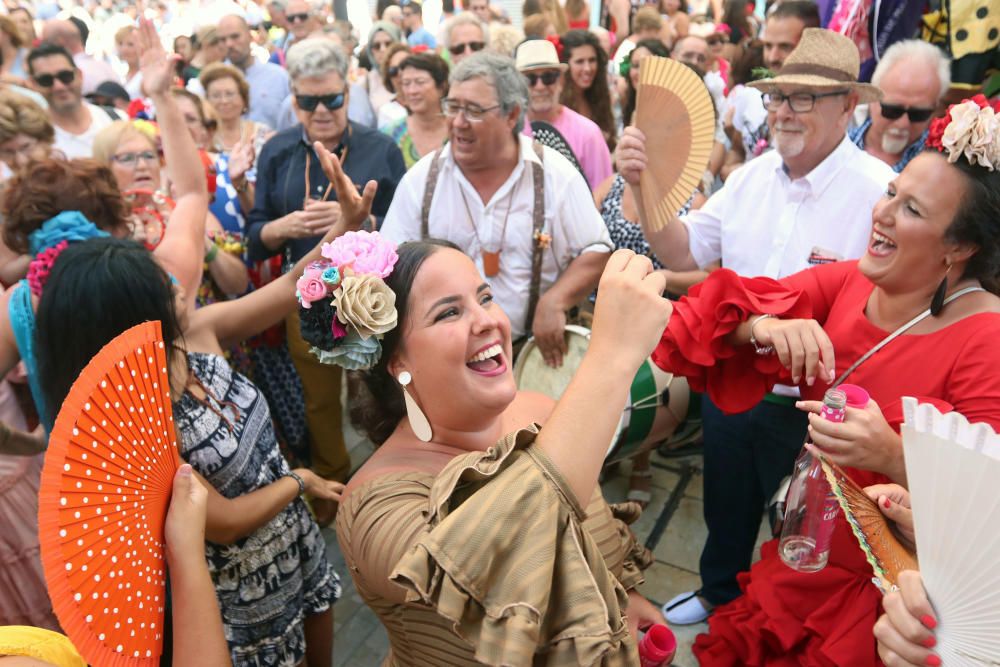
x=824 y=619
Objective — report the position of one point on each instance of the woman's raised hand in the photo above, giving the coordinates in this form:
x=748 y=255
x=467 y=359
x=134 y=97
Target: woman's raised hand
x=904 y=630
x=631 y=313
x=241 y=159
x=157 y=66
x=354 y=208
x=630 y=155
x=801 y=345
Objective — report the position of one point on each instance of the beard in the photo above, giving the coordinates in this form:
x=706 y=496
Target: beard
x=894 y=143
x=788 y=144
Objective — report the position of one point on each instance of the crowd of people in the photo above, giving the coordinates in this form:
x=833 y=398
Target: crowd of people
x=462 y=189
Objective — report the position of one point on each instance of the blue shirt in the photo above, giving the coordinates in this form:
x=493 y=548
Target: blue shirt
x=281 y=167
x=269 y=86
x=422 y=36
x=857 y=135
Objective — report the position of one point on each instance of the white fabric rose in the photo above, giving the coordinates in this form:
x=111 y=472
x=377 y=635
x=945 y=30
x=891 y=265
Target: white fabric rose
x=367 y=304
x=956 y=136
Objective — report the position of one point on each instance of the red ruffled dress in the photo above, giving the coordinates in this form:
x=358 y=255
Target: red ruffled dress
x=823 y=619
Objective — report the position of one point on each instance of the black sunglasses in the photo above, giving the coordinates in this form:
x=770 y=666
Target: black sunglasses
x=393 y=71
x=65 y=77
x=309 y=103
x=459 y=49
x=916 y=114
x=295 y=18
x=548 y=78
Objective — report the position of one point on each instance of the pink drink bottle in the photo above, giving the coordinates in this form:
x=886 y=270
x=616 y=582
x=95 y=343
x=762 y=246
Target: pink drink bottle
x=811 y=508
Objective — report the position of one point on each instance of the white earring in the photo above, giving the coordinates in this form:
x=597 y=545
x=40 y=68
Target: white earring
x=418 y=420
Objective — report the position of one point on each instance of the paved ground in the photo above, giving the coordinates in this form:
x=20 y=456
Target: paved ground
x=671 y=526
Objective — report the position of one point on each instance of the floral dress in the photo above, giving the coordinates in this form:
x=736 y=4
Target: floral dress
x=269 y=581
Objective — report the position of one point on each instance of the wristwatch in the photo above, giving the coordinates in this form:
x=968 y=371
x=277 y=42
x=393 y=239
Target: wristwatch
x=297 y=478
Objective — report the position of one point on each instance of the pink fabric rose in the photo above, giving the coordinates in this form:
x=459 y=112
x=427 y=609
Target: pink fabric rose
x=366 y=253
x=310 y=287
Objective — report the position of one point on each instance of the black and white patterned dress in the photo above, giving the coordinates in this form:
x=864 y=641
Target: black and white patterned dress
x=269 y=581
x=625 y=233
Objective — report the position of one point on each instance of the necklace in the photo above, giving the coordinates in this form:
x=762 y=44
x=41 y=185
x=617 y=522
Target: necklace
x=491 y=260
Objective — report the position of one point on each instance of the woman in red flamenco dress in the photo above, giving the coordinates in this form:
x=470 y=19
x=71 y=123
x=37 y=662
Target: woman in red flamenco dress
x=934 y=234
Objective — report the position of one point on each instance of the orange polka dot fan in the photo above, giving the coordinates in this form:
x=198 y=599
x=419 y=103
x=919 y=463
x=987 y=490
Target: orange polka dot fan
x=103 y=499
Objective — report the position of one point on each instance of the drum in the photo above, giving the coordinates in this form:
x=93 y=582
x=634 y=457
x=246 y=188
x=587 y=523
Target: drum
x=657 y=402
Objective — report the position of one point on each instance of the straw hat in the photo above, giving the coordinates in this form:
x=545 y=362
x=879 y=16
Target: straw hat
x=537 y=54
x=823 y=60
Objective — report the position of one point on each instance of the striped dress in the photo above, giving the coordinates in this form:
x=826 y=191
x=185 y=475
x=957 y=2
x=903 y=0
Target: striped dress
x=494 y=562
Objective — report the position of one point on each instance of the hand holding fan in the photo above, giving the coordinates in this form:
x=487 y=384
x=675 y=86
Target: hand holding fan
x=953 y=470
x=104 y=495
x=675 y=112
x=886 y=554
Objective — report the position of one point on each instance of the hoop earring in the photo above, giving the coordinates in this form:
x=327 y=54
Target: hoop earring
x=418 y=420
x=937 y=303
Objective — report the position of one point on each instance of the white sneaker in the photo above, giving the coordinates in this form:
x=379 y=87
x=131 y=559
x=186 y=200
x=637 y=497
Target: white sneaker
x=685 y=609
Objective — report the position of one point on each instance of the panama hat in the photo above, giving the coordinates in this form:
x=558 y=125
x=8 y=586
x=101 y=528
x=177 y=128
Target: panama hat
x=824 y=60
x=537 y=54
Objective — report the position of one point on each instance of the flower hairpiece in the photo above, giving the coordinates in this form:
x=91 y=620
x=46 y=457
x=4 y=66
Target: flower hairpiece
x=48 y=241
x=556 y=42
x=970 y=129
x=345 y=305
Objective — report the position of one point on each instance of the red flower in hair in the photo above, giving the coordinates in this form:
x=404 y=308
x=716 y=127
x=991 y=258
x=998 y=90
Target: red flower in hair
x=41 y=266
x=556 y=42
x=419 y=48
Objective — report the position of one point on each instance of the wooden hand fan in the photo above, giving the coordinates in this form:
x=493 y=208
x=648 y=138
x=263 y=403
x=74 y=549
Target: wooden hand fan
x=953 y=470
x=103 y=499
x=675 y=112
x=886 y=554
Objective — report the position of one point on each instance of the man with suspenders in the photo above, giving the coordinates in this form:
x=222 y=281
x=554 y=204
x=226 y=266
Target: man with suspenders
x=521 y=211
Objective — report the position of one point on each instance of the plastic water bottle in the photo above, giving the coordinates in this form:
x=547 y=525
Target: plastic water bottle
x=657 y=647
x=811 y=508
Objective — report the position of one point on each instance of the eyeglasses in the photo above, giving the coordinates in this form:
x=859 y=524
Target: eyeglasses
x=295 y=18
x=393 y=71
x=714 y=41
x=916 y=114
x=65 y=77
x=308 y=103
x=547 y=78
x=131 y=159
x=473 y=112
x=378 y=46
x=415 y=83
x=459 y=49
x=799 y=102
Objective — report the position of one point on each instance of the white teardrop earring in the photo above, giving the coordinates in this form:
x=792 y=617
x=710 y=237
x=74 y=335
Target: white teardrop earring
x=418 y=420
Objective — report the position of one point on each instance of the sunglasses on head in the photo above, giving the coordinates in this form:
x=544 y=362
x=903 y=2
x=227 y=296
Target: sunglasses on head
x=459 y=49
x=309 y=103
x=65 y=77
x=548 y=78
x=295 y=18
x=916 y=114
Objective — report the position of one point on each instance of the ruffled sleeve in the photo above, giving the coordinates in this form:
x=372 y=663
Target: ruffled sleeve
x=624 y=555
x=507 y=561
x=694 y=343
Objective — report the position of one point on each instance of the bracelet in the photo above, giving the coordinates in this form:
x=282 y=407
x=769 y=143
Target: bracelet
x=212 y=253
x=757 y=347
x=302 y=484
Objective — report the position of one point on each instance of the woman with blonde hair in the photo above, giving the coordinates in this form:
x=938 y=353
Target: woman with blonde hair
x=13 y=51
x=393 y=110
x=209 y=49
x=127 y=48
x=26 y=133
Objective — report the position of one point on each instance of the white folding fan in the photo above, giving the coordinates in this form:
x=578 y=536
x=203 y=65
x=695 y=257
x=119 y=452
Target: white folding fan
x=953 y=472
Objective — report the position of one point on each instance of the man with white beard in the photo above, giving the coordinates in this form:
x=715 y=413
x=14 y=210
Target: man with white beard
x=913 y=77
x=807 y=202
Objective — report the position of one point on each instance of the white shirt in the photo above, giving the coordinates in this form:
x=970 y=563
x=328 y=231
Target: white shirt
x=571 y=219
x=81 y=145
x=95 y=72
x=761 y=223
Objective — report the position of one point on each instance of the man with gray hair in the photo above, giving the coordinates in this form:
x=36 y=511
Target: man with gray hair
x=294 y=207
x=520 y=210
x=913 y=77
x=464 y=35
